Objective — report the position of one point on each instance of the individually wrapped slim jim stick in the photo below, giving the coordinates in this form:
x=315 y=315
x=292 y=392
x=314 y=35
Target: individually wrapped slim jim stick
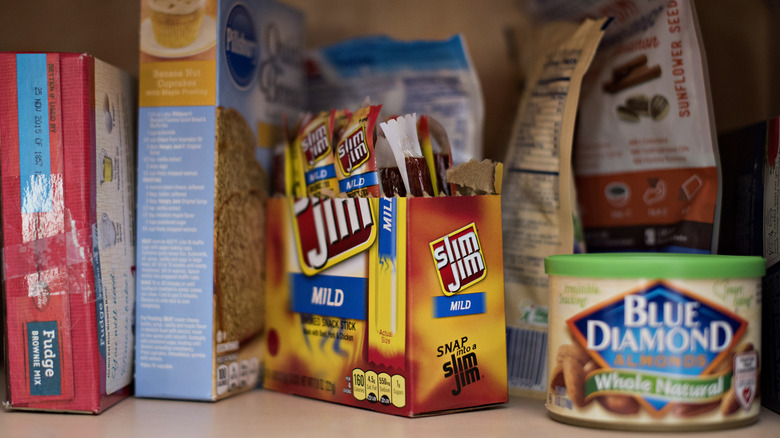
x=317 y=152
x=289 y=133
x=294 y=180
x=390 y=180
x=341 y=118
x=355 y=155
x=435 y=147
x=402 y=135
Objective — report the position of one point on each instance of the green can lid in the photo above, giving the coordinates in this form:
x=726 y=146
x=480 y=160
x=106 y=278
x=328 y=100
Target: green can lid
x=654 y=265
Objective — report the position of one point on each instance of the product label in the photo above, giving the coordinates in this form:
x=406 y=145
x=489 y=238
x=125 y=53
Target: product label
x=175 y=250
x=33 y=113
x=387 y=286
x=316 y=144
x=645 y=158
x=423 y=77
x=466 y=304
x=664 y=350
x=355 y=155
x=658 y=329
x=539 y=217
x=241 y=46
x=320 y=174
x=242 y=66
x=745 y=382
x=113 y=241
x=43 y=347
x=459 y=259
x=352 y=150
x=178 y=83
x=449 y=363
x=330 y=230
x=358 y=182
x=341 y=297
x=379 y=388
x=462 y=365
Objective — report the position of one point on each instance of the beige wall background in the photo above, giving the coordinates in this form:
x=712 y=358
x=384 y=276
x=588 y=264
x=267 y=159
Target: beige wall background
x=742 y=45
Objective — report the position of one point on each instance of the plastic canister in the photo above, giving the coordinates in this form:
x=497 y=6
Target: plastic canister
x=654 y=341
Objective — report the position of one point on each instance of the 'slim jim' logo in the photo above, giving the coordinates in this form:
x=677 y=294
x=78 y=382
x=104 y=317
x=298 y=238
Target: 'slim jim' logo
x=462 y=366
x=459 y=259
x=353 y=151
x=328 y=231
x=315 y=144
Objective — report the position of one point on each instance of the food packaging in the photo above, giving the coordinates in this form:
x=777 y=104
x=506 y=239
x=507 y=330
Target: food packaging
x=67 y=139
x=210 y=119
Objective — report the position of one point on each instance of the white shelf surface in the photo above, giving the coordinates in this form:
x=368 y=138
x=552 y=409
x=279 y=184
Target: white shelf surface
x=266 y=413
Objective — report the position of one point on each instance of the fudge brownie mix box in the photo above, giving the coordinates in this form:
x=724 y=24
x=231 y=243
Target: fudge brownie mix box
x=215 y=79
x=67 y=125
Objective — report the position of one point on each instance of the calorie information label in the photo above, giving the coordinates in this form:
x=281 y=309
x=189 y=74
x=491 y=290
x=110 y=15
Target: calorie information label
x=538 y=212
x=529 y=220
x=534 y=172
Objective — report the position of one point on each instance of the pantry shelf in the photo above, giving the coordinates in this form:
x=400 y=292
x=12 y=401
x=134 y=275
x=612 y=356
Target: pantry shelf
x=273 y=414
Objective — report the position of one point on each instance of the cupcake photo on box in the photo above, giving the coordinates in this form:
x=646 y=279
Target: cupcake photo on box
x=176 y=22
x=176 y=28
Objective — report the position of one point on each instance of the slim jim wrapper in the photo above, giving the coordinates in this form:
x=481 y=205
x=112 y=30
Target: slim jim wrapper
x=318 y=163
x=356 y=170
x=401 y=135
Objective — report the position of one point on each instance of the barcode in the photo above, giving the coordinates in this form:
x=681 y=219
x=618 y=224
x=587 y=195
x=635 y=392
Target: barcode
x=527 y=358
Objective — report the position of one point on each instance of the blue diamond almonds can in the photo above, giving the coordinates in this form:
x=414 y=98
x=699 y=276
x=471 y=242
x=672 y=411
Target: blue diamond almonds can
x=654 y=341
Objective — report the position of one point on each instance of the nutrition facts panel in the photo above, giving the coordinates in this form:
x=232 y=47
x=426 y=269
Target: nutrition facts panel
x=379 y=387
x=175 y=235
x=538 y=196
x=533 y=179
x=539 y=135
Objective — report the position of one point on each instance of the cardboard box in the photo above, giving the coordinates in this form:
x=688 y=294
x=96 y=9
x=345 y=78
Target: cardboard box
x=389 y=304
x=215 y=79
x=67 y=125
x=751 y=226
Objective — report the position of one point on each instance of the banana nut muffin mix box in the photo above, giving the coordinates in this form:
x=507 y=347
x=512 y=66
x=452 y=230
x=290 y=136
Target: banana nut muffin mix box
x=389 y=304
x=215 y=79
x=67 y=137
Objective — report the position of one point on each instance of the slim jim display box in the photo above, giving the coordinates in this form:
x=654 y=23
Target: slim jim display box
x=389 y=304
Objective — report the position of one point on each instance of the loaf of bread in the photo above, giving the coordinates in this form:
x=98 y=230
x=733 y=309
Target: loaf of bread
x=239 y=226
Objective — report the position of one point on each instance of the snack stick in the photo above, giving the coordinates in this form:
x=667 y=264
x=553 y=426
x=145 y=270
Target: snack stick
x=340 y=120
x=317 y=152
x=356 y=159
x=295 y=185
x=402 y=135
x=435 y=146
x=390 y=180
